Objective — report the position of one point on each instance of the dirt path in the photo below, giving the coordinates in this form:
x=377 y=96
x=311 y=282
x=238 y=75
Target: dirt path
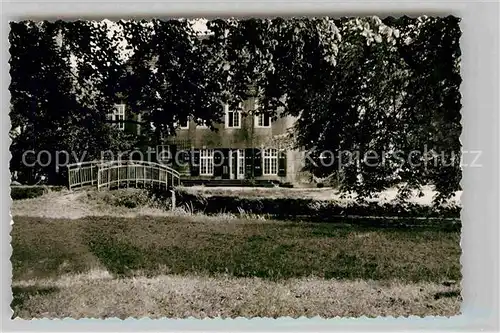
x=53 y=204
x=74 y=205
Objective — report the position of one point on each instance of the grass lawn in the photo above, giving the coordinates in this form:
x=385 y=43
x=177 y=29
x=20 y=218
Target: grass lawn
x=98 y=295
x=242 y=248
x=88 y=264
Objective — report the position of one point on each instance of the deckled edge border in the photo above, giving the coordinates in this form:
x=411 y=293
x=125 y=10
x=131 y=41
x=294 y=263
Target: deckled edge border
x=236 y=10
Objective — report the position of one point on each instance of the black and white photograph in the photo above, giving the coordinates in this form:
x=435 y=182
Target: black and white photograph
x=236 y=167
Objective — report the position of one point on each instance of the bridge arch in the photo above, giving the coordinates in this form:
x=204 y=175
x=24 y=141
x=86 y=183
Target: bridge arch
x=129 y=173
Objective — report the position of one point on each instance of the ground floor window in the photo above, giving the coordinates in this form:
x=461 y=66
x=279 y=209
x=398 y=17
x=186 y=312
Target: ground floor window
x=241 y=163
x=270 y=162
x=207 y=162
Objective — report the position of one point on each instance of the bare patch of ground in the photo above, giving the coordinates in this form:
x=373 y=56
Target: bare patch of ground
x=75 y=205
x=98 y=295
x=79 y=204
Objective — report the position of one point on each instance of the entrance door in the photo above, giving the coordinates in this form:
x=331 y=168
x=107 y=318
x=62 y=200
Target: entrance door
x=240 y=164
x=237 y=163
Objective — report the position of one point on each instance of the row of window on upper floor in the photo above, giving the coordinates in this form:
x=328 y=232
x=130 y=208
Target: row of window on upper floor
x=233 y=119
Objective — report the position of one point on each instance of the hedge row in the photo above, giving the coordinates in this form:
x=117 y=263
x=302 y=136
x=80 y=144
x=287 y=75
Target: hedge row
x=29 y=192
x=290 y=208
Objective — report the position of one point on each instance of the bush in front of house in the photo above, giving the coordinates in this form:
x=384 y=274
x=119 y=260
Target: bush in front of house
x=293 y=208
x=129 y=198
x=27 y=192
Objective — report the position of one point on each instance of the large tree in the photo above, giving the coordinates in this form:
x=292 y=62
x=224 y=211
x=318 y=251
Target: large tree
x=170 y=76
x=356 y=85
x=61 y=90
x=432 y=105
x=43 y=105
x=374 y=94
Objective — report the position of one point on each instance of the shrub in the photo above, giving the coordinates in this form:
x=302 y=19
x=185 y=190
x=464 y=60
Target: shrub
x=132 y=199
x=296 y=208
x=27 y=192
x=127 y=202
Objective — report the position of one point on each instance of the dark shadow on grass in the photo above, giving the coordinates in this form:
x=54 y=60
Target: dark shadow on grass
x=180 y=245
x=120 y=258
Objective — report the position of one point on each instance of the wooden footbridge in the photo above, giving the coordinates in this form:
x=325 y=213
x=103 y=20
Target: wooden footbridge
x=119 y=174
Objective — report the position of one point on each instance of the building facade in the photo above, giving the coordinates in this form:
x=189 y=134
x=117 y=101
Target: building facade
x=243 y=146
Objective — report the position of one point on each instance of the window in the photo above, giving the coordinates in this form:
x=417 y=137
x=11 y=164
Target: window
x=207 y=162
x=270 y=162
x=233 y=118
x=241 y=162
x=118 y=116
x=139 y=120
x=262 y=120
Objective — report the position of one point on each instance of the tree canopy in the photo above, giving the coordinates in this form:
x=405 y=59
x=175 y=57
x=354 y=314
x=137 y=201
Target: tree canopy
x=356 y=85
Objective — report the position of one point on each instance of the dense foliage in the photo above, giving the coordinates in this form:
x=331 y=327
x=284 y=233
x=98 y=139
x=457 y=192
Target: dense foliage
x=60 y=96
x=359 y=86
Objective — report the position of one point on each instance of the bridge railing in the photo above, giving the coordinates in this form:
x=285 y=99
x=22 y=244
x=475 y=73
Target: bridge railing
x=134 y=173
x=82 y=174
x=121 y=173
